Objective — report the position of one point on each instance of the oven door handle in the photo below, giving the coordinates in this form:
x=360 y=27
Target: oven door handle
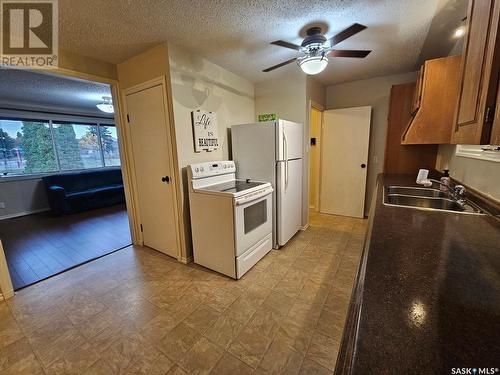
x=261 y=194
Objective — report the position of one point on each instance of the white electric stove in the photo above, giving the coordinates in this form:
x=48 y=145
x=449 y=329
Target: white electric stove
x=231 y=219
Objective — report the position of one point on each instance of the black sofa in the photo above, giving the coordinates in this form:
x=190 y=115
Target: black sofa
x=86 y=190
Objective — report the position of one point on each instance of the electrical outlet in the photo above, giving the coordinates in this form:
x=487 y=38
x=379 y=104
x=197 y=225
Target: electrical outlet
x=2 y=204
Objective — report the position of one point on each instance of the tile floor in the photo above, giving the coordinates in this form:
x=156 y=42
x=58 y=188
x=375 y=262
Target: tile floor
x=138 y=311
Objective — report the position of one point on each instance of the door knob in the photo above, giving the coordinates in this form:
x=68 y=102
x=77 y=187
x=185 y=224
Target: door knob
x=165 y=179
x=363 y=165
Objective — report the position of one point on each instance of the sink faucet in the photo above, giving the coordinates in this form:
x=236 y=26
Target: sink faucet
x=457 y=191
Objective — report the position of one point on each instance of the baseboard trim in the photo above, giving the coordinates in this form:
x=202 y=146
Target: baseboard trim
x=7 y=295
x=186 y=260
x=23 y=213
x=305 y=227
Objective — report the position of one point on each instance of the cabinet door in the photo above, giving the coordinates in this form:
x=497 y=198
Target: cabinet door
x=479 y=73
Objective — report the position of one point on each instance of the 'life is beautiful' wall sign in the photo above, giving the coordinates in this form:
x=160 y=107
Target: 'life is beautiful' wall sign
x=205 y=132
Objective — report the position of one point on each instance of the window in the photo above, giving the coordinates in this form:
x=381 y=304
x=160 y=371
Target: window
x=255 y=215
x=109 y=141
x=77 y=146
x=43 y=146
x=490 y=153
x=26 y=147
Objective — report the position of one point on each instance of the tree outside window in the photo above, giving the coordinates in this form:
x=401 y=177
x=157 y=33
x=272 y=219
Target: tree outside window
x=37 y=147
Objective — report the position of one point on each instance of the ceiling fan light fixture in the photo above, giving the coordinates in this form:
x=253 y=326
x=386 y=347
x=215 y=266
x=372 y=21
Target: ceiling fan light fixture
x=106 y=105
x=312 y=65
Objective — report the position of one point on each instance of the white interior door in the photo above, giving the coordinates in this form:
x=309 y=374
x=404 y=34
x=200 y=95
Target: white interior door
x=151 y=146
x=344 y=155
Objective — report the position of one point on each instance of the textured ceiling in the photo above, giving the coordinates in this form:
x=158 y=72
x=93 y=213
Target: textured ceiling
x=29 y=90
x=236 y=34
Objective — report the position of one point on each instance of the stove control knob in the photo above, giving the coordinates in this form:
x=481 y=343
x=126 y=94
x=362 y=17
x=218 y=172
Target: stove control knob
x=202 y=169
x=197 y=169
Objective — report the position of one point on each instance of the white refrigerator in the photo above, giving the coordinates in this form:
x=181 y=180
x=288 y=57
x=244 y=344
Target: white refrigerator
x=272 y=151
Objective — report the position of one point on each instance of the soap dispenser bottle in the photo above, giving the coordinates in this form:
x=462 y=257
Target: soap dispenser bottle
x=445 y=180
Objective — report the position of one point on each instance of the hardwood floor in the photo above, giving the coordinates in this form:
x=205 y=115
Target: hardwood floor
x=39 y=246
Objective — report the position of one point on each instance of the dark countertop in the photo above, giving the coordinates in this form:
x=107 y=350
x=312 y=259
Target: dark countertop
x=427 y=295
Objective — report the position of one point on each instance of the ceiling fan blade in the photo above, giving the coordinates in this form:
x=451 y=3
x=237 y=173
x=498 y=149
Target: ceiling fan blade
x=347 y=33
x=280 y=65
x=282 y=43
x=347 y=53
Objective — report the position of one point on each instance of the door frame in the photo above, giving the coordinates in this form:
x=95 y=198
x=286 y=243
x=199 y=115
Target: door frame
x=125 y=155
x=321 y=108
x=173 y=162
x=6 y=288
x=123 y=144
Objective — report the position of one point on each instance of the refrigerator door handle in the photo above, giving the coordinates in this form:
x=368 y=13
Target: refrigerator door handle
x=286 y=175
x=285 y=147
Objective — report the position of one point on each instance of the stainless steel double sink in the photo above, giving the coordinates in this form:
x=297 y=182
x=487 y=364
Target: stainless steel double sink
x=427 y=199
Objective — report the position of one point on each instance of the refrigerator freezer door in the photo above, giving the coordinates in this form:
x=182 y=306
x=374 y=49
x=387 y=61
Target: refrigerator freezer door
x=253 y=147
x=289 y=199
x=289 y=140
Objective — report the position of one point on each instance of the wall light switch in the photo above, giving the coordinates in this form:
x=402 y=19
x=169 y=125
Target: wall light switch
x=2 y=204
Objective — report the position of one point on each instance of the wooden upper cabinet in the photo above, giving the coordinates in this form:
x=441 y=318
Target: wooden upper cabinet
x=474 y=115
x=403 y=158
x=437 y=93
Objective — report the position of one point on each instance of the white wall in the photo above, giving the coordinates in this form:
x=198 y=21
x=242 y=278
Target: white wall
x=200 y=84
x=22 y=197
x=285 y=96
x=374 y=92
x=315 y=91
x=481 y=175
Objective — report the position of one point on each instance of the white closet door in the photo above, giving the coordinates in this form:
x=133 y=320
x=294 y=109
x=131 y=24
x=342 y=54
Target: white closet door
x=151 y=145
x=344 y=161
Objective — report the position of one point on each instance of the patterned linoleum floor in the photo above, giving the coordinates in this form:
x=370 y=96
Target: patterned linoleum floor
x=138 y=311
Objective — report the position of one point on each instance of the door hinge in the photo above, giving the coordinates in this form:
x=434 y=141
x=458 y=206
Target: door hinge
x=128 y=118
x=142 y=230
x=490 y=112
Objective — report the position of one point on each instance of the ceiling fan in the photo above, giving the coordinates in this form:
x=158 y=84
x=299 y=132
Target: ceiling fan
x=316 y=49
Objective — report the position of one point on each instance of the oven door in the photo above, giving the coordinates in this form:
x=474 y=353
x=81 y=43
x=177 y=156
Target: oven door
x=253 y=219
